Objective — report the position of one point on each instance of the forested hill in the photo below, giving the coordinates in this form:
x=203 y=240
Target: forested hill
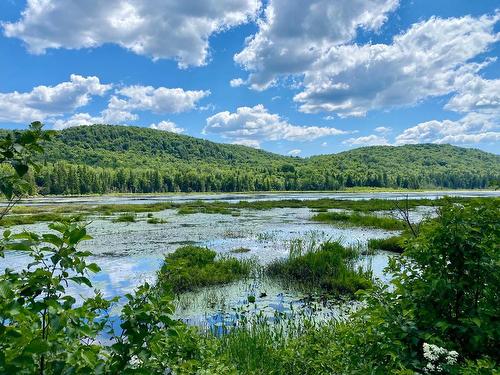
x=104 y=158
x=131 y=147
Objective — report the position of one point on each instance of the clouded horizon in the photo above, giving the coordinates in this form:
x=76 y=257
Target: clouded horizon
x=292 y=77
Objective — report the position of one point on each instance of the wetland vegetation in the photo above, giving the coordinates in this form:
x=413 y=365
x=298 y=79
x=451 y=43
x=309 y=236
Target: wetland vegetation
x=438 y=309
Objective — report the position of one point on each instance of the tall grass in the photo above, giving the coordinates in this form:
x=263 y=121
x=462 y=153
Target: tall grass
x=125 y=218
x=193 y=267
x=329 y=267
x=394 y=244
x=362 y=220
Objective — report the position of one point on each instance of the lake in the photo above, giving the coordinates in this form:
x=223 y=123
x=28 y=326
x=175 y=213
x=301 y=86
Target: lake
x=131 y=253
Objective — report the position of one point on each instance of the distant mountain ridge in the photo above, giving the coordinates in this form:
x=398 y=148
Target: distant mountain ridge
x=105 y=158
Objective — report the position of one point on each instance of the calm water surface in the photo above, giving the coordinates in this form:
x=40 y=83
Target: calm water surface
x=131 y=253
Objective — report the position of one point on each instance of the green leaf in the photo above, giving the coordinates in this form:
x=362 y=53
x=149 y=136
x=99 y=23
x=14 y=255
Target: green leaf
x=81 y=280
x=37 y=346
x=93 y=267
x=77 y=235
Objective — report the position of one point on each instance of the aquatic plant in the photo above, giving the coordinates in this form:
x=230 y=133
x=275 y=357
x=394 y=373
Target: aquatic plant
x=125 y=218
x=394 y=244
x=362 y=220
x=329 y=267
x=155 y=220
x=192 y=267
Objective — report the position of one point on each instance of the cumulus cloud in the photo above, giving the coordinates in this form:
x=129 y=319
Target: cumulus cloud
x=158 y=100
x=476 y=94
x=294 y=34
x=472 y=128
x=310 y=42
x=369 y=140
x=168 y=126
x=44 y=101
x=107 y=117
x=383 y=129
x=247 y=142
x=427 y=60
x=294 y=152
x=236 y=82
x=55 y=103
x=169 y=29
x=257 y=124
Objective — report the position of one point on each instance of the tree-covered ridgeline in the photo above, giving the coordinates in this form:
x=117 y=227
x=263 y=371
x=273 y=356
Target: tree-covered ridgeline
x=105 y=159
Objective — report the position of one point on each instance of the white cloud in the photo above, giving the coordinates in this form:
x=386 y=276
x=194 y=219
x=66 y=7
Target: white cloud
x=83 y=119
x=236 y=82
x=429 y=59
x=158 y=100
x=293 y=34
x=257 y=124
x=369 y=140
x=170 y=29
x=383 y=129
x=247 y=142
x=472 y=128
x=44 y=101
x=294 y=152
x=476 y=94
x=167 y=126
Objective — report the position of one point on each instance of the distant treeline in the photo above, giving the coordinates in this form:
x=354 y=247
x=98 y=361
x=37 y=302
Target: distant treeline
x=105 y=159
x=63 y=178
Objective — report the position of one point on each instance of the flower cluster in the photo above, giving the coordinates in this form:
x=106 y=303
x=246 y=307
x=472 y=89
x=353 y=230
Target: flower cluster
x=437 y=357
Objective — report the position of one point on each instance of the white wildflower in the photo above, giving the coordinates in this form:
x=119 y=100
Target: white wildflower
x=436 y=357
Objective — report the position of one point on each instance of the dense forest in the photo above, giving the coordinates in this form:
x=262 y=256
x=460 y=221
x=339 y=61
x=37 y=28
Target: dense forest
x=104 y=159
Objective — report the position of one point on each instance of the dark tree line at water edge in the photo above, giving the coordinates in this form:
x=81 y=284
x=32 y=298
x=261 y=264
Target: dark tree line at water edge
x=63 y=178
x=106 y=159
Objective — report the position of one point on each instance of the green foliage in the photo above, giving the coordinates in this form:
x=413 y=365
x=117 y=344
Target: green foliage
x=358 y=219
x=191 y=267
x=36 y=218
x=17 y=154
x=455 y=261
x=125 y=218
x=445 y=292
x=104 y=159
x=40 y=322
x=155 y=220
x=330 y=267
x=394 y=244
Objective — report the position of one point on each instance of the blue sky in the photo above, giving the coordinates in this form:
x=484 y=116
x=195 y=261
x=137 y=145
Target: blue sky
x=293 y=77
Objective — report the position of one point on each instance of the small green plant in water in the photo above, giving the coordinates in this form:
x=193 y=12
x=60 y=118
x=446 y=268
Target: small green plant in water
x=362 y=220
x=329 y=267
x=192 y=267
x=125 y=218
x=155 y=220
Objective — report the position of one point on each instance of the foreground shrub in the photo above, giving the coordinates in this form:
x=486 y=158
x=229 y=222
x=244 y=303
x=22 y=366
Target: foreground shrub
x=192 y=267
